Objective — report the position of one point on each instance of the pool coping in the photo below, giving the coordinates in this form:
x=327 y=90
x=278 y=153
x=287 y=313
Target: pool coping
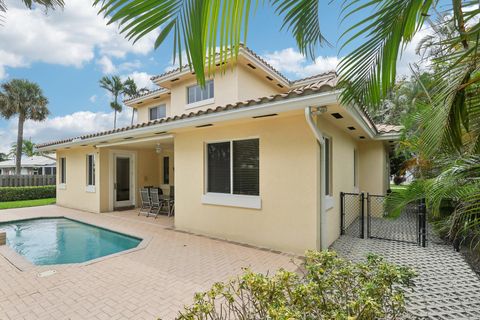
x=22 y=264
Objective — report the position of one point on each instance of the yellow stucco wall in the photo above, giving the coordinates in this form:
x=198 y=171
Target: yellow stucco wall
x=143 y=110
x=232 y=84
x=75 y=195
x=373 y=167
x=288 y=178
x=343 y=146
x=251 y=86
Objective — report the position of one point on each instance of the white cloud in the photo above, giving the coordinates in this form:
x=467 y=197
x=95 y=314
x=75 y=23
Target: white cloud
x=93 y=98
x=295 y=65
x=62 y=127
x=409 y=55
x=142 y=79
x=68 y=37
x=106 y=65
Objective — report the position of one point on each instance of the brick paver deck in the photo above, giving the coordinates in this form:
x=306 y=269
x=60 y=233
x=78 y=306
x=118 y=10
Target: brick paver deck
x=446 y=286
x=146 y=284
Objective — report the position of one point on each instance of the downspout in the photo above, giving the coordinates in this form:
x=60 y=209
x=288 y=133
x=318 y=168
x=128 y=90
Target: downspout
x=309 y=113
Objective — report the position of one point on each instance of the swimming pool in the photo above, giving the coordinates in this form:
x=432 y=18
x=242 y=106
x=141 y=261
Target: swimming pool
x=47 y=241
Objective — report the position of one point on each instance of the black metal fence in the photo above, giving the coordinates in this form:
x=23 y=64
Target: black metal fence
x=352 y=208
x=364 y=216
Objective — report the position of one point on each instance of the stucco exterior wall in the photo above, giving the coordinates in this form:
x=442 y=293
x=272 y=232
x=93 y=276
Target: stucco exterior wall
x=74 y=194
x=343 y=146
x=231 y=84
x=373 y=167
x=288 y=218
x=143 y=110
x=225 y=91
x=251 y=86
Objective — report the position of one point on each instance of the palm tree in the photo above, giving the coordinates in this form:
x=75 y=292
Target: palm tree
x=115 y=86
x=131 y=90
x=28 y=149
x=24 y=99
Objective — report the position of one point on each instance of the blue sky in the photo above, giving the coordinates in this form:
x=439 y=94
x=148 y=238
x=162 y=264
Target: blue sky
x=68 y=51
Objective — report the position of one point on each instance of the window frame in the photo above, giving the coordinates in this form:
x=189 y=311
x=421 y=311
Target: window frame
x=90 y=185
x=198 y=103
x=156 y=107
x=231 y=199
x=62 y=173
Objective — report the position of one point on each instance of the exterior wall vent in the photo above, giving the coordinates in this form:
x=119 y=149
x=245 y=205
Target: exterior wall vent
x=337 y=115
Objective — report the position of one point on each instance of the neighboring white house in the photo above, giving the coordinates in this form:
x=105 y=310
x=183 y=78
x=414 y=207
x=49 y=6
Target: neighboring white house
x=36 y=165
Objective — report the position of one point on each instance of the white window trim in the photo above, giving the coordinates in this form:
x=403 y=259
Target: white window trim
x=232 y=200
x=200 y=103
x=62 y=186
x=229 y=199
x=157 y=106
x=90 y=189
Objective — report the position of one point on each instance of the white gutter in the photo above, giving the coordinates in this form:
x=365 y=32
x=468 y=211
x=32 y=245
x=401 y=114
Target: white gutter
x=321 y=140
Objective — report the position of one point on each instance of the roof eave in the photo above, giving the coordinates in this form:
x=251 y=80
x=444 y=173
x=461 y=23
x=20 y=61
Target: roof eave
x=284 y=105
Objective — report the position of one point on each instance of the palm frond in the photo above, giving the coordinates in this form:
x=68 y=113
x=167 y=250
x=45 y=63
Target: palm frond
x=209 y=32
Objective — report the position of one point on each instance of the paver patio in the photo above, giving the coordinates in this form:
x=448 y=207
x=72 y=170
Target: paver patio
x=445 y=288
x=146 y=284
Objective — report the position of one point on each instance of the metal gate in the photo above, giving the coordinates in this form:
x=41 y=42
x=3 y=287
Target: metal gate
x=352 y=214
x=408 y=226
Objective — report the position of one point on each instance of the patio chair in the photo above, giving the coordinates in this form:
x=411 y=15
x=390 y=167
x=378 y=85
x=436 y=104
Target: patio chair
x=157 y=203
x=146 y=202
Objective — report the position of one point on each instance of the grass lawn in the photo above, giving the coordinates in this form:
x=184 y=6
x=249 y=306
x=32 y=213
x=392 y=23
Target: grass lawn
x=26 y=203
x=394 y=187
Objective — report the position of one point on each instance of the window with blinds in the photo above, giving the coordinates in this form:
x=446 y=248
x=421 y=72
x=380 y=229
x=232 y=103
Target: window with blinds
x=233 y=167
x=196 y=93
x=158 y=112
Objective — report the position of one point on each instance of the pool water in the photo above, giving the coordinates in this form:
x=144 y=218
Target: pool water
x=48 y=241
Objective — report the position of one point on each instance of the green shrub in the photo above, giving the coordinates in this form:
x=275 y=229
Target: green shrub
x=27 y=193
x=327 y=287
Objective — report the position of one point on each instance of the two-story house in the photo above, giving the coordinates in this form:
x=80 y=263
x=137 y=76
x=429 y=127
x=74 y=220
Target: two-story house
x=253 y=157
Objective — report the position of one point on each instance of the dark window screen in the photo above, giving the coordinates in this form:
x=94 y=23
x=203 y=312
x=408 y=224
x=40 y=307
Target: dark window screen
x=218 y=163
x=166 y=170
x=246 y=167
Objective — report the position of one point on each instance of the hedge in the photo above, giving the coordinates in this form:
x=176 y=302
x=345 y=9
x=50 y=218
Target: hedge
x=27 y=193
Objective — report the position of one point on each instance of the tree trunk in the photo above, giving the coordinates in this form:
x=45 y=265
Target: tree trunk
x=18 y=158
x=115 y=120
x=133 y=115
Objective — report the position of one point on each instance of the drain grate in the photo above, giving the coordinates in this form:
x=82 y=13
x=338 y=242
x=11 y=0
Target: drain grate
x=46 y=273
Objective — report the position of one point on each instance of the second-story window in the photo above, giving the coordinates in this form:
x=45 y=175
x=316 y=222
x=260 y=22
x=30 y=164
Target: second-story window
x=158 y=112
x=196 y=93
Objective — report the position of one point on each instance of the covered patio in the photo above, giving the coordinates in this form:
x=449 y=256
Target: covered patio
x=135 y=164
